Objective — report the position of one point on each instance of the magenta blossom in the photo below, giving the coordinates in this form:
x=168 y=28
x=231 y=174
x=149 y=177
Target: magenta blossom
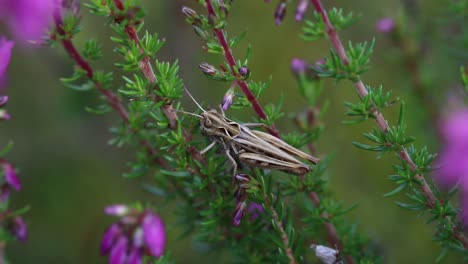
x=255 y=209
x=27 y=19
x=135 y=234
x=454 y=155
x=11 y=178
x=385 y=25
x=5 y=55
x=299 y=66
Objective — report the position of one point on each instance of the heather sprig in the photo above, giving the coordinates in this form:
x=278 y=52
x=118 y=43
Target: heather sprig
x=12 y=225
x=347 y=63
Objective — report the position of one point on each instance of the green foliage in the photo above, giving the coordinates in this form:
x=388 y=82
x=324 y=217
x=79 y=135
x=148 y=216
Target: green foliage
x=316 y=29
x=297 y=209
x=358 y=63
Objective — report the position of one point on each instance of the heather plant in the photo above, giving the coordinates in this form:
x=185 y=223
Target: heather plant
x=252 y=212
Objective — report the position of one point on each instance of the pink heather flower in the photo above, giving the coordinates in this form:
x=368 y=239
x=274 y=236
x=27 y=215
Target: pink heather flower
x=154 y=234
x=27 y=19
x=299 y=66
x=19 y=229
x=280 y=12
x=118 y=254
x=385 y=25
x=454 y=156
x=227 y=99
x=3 y=99
x=135 y=256
x=108 y=239
x=239 y=213
x=255 y=209
x=10 y=176
x=5 y=55
x=116 y=210
x=301 y=9
x=136 y=234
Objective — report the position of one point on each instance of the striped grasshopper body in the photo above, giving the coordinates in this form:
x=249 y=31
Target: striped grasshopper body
x=252 y=147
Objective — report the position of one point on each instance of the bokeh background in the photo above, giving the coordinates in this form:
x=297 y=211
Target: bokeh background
x=70 y=173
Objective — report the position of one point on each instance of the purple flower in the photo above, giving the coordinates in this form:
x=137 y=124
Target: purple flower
x=454 y=154
x=244 y=72
x=116 y=210
x=118 y=254
x=255 y=209
x=4 y=98
x=5 y=55
x=227 y=99
x=10 y=176
x=385 y=25
x=28 y=19
x=299 y=66
x=208 y=69
x=154 y=234
x=4 y=192
x=19 y=229
x=135 y=256
x=135 y=234
x=301 y=9
x=108 y=239
x=280 y=12
x=239 y=213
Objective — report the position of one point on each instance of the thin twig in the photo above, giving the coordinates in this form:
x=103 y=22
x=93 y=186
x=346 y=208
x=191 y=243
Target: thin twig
x=232 y=64
x=381 y=121
x=282 y=231
x=111 y=98
x=332 y=233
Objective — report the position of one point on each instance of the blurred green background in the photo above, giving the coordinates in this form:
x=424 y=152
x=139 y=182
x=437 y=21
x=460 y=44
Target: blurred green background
x=69 y=172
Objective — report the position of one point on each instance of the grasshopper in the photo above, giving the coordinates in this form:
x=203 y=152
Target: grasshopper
x=251 y=147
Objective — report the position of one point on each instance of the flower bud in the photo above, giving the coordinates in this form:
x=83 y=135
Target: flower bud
x=280 y=13
x=255 y=209
x=10 y=176
x=3 y=100
x=244 y=72
x=4 y=115
x=385 y=25
x=227 y=99
x=117 y=210
x=239 y=213
x=301 y=9
x=208 y=69
x=299 y=66
x=18 y=228
x=190 y=14
x=325 y=254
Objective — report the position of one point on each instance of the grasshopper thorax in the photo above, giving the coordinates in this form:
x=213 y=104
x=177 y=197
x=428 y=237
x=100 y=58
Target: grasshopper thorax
x=215 y=124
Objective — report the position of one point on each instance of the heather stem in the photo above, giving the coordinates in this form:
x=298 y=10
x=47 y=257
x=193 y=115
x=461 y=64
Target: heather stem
x=232 y=64
x=147 y=69
x=381 y=121
x=70 y=48
x=282 y=231
x=112 y=99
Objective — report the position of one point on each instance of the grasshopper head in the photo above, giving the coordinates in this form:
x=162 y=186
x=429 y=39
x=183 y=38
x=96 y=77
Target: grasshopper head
x=215 y=124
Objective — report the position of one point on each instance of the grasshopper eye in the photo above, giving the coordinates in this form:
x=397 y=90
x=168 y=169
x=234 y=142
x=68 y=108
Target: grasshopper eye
x=208 y=123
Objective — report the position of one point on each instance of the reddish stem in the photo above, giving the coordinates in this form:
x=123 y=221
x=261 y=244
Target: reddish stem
x=112 y=98
x=381 y=121
x=232 y=64
x=70 y=48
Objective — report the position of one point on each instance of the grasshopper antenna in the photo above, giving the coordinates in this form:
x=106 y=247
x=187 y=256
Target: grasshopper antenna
x=193 y=99
x=188 y=113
